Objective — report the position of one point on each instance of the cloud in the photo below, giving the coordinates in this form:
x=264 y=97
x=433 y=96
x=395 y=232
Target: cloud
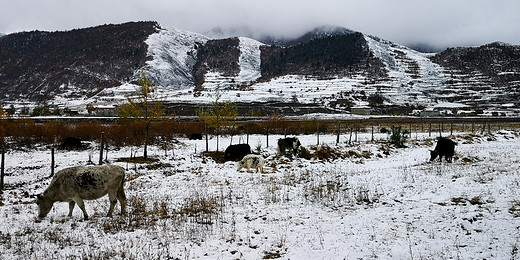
x=440 y=22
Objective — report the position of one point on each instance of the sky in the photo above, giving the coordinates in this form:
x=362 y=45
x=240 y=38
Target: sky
x=439 y=23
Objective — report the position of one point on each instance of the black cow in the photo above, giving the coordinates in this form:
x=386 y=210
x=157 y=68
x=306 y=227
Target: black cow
x=236 y=152
x=288 y=146
x=196 y=137
x=445 y=147
x=71 y=143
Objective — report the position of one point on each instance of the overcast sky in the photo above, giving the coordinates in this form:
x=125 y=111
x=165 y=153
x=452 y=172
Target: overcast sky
x=440 y=23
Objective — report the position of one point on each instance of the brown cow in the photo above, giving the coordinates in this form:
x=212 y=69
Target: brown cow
x=73 y=185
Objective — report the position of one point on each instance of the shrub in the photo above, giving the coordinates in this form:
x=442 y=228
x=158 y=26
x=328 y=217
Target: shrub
x=398 y=137
x=325 y=152
x=304 y=153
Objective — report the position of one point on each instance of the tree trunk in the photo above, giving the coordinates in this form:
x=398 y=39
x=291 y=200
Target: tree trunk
x=2 y=167
x=218 y=134
x=206 y=132
x=147 y=131
x=101 y=148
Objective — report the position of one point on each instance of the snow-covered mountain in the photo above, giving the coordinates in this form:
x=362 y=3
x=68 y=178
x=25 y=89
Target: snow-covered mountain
x=174 y=53
x=329 y=67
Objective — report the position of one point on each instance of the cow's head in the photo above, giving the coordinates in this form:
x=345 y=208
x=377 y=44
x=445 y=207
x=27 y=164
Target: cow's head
x=433 y=155
x=240 y=165
x=44 y=205
x=296 y=144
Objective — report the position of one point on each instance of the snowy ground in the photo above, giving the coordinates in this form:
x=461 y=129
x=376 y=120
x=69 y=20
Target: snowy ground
x=380 y=202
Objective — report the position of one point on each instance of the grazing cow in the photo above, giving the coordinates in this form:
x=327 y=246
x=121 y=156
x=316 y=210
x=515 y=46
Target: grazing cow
x=251 y=161
x=288 y=146
x=236 y=152
x=71 y=143
x=73 y=185
x=195 y=137
x=445 y=147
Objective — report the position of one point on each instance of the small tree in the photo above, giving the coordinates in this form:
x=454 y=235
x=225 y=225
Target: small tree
x=375 y=100
x=90 y=108
x=218 y=114
x=144 y=109
x=398 y=137
x=41 y=111
x=11 y=110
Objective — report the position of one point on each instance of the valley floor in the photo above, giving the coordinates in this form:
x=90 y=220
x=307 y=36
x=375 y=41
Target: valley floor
x=367 y=200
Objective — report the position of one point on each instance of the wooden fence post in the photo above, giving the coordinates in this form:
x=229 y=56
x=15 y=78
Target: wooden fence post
x=247 y=134
x=2 y=168
x=339 y=131
x=267 y=136
x=317 y=133
x=101 y=148
x=451 y=128
x=52 y=162
x=430 y=130
x=106 y=151
x=372 y=134
x=350 y=136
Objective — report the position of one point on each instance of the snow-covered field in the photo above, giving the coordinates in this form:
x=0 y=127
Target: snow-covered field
x=378 y=202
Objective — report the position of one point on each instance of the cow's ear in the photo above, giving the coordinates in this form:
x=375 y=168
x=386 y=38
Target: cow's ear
x=39 y=197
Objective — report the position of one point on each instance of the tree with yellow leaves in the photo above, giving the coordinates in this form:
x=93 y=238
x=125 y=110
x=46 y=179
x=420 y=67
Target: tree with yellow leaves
x=218 y=114
x=144 y=108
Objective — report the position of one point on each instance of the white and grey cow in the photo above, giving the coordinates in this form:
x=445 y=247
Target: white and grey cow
x=73 y=185
x=252 y=161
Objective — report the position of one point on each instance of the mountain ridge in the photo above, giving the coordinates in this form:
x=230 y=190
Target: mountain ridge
x=321 y=67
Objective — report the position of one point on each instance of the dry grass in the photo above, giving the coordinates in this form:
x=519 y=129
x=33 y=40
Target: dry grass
x=515 y=209
x=138 y=160
x=197 y=208
x=217 y=156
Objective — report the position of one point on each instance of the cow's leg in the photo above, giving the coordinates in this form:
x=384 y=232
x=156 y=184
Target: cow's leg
x=122 y=199
x=113 y=200
x=71 y=207
x=82 y=207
